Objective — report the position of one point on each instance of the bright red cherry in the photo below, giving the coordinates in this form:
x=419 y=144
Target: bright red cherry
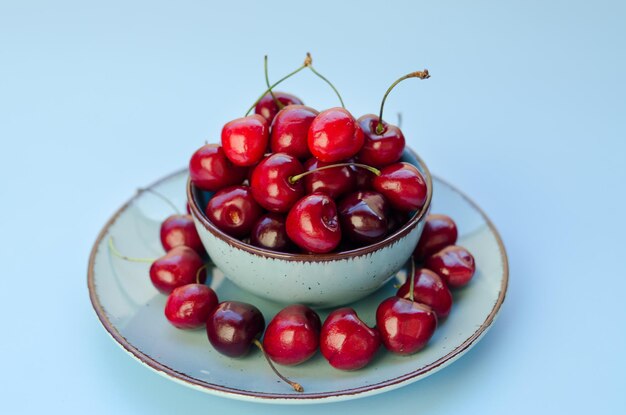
x=211 y=170
x=245 y=140
x=380 y=150
x=405 y=326
x=233 y=210
x=177 y=267
x=189 y=306
x=289 y=131
x=313 y=225
x=267 y=108
x=270 y=183
x=454 y=264
x=429 y=289
x=334 y=135
x=346 y=341
x=270 y=232
x=179 y=230
x=439 y=231
x=333 y=182
x=233 y=326
x=364 y=217
x=402 y=185
x=293 y=335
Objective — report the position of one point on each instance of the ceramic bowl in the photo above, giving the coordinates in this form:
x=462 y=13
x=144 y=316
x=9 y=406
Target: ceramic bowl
x=318 y=280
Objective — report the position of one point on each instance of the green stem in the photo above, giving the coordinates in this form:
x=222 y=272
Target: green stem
x=267 y=82
x=127 y=258
x=419 y=74
x=289 y=75
x=296 y=386
x=297 y=177
x=329 y=83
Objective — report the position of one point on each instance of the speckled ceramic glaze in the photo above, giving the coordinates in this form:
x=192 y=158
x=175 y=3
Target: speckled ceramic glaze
x=318 y=280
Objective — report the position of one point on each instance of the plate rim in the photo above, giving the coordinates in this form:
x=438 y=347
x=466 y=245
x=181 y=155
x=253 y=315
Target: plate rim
x=243 y=394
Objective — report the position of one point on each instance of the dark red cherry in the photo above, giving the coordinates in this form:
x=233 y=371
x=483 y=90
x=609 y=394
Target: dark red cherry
x=439 y=231
x=429 y=289
x=364 y=217
x=402 y=185
x=267 y=107
x=333 y=182
x=211 y=170
x=270 y=183
x=292 y=336
x=233 y=326
x=179 y=230
x=346 y=341
x=363 y=178
x=289 y=131
x=334 y=135
x=234 y=211
x=270 y=232
x=405 y=326
x=380 y=150
x=454 y=264
x=176 y=268
x=395 y=221
x=189 y=306
x=312 y=224
x=245 y=140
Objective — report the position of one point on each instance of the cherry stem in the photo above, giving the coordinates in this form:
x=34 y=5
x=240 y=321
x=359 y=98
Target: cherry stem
x=322 y=77
x=294 y=179
x=296 y=386
x=160 y=196
x=118 y=254
x=267 y=82
x=203 y=267
x=412 y=288
x=419 y=74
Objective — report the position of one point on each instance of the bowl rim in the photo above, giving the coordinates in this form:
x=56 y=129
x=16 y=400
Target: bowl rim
x=200 y=218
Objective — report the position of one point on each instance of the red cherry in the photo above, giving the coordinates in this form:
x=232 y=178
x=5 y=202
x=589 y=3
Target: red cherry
x=405 y=326
x=364 y=217
x=439 y=231
x=346 y=341
x=454 y=264
x=176 y=268
x=179 y=230
x=233 y=326
x=289 y=131
x=395 y=221
x=189 y=306
x=245 y=139
x=363 y=178
x=333 y=182
x=334 y=135
x=211 y=170
x=403 y=185
x=293 y=335
x=379 y=150
x=313 y=225
x=270 y=183
x=267 y=108
x=429 y=289
x=270 y=232
x=234 y=211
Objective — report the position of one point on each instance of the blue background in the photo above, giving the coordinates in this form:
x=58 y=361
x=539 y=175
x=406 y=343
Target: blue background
x=525 y=112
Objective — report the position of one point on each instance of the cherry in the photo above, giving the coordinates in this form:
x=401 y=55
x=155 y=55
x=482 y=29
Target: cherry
x=333 y=182
x=454 y=264
x=313 y=225
x=179 y=230
x=395 y=221
x=346 y=341
x=270 y=182
x=211 y=170
x=382 y=149
x=289 y=131
x=334 y=135
x=292 y=336
x=439 y=231
x=176 y=268
x=233 y=210
x=270 y=232
x=233 y=326
x=189 y=306
x=402 y=185
x=364 y=216
x=363 y=178
x=245 y=140
x=405 y=326
x=268 y=108
x=429 y=289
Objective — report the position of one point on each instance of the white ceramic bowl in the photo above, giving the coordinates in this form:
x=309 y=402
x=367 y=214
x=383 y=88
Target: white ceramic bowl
x=323 y=280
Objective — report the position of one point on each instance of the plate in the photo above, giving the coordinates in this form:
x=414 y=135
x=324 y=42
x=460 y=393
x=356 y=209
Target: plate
x=131 y=310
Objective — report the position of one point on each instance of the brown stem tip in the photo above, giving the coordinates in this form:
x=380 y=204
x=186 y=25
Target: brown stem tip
x=308 y=61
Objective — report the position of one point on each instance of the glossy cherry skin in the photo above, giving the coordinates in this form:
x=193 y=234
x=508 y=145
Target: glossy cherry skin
x=454 y=264
x=429 y=289
x=405 y=326
x=189 y=306
x=211 y=170
x=380 y=150
x=346 y=341
x=363 y=178
x=439 y=231
x=176 y=268
x=270 y=182
x=334 y=135
x=270 y=232
x=313 y=225
x=268 y=109
x=179 y=230
x=233 y=326
x=245 y=140
x=363 y=216
x=234 y=211
x=333 y=182
x=402 y=185
x=293 y=335
x=290 y=129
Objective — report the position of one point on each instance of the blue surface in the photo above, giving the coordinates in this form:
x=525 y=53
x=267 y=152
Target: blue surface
x=525 y=112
